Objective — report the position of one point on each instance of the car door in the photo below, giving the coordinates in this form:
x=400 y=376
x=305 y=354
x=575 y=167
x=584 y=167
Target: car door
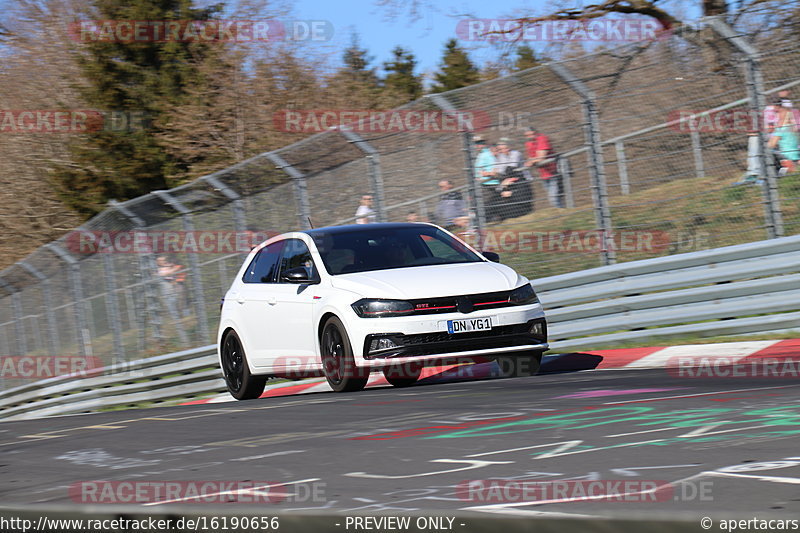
x=256 y=301
x=294 y=307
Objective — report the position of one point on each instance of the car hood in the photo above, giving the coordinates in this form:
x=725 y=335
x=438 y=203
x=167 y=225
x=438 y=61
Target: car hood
x=430 y=281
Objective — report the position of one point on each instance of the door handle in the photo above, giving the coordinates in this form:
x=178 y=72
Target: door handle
x=240 y=299
x=272 y=300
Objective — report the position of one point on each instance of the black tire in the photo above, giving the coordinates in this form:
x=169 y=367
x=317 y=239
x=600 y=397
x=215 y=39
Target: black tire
x=240 y=382
x=519 y=365
x=402 y=375
x=338 y=363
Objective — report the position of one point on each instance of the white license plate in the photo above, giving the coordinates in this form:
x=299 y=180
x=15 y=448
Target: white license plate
x=469 y=324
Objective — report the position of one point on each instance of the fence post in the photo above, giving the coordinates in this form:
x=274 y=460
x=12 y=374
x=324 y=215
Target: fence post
x=84 y=340
x=622 y=166
x=475 y=190
x=147 y=269
x=196 y=295
x=47 y=295
x=239 y=215
x=300 y=189
x=595 y=156
x=374 y=162
x=112 y=306
x=565 y=171
x=16 y=308
x=755 y=90
x=697 y=151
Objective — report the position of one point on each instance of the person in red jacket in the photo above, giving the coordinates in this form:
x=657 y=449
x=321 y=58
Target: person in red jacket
x=538 y=148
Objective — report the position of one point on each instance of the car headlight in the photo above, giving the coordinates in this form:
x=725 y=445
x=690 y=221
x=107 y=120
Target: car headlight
x=523 y=296
x=370 y=308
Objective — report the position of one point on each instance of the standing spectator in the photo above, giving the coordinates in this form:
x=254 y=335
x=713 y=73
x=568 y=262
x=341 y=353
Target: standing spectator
x=538 y=149
x=451 y=205
x=365 y=214
x=412 y=216
x=785 y=139
x=484 y=163
x=770 y=118
x=772 y=111
x=484 y=174
x=506 y=159
x=172 y=279
x=515 y=190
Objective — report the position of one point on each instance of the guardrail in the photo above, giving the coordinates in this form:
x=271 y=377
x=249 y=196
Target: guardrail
x=155 y=379
x=747 y=288
x=708 y=293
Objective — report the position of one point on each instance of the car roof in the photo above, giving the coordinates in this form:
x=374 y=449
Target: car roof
x=355 y=228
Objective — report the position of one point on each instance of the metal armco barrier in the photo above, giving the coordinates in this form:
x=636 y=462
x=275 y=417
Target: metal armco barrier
x=175 y=375
x=747 y=288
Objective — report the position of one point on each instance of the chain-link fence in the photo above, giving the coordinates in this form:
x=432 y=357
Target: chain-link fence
x=649 y=145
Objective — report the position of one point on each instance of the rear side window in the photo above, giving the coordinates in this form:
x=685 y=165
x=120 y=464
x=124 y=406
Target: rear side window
x=264 y=266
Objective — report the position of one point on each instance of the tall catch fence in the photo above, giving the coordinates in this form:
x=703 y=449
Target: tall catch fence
x=643 y=164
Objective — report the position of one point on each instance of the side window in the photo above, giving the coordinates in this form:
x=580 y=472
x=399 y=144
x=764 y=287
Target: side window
x=263 y=268
x=296 y=254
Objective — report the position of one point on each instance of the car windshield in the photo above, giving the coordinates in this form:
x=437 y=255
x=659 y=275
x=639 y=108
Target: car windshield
x=345 y=252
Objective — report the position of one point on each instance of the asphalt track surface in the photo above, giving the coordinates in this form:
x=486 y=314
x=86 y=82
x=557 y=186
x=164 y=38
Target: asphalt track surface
x=715 y=446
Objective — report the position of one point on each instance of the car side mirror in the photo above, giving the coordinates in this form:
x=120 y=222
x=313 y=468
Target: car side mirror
x=297 y=275
x=491 y=256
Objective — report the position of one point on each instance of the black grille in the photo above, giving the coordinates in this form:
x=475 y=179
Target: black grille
x=449 y=304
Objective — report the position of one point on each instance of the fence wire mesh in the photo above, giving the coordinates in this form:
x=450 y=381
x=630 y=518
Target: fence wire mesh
x=626 y=179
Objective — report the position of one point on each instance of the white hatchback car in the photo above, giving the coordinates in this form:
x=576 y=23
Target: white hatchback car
x=345 y=300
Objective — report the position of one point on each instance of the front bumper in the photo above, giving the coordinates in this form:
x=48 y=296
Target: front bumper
x=425 y=338
x=533 y=332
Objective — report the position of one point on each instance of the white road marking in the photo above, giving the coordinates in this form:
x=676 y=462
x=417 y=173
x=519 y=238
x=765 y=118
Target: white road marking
x=773 y=479
x=568 y=443
x=632 y=471
x=640 y=432
x=472 y=465
x=250 y=458
x=693 y=395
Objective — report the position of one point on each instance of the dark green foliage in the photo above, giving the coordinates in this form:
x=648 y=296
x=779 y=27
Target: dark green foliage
x=135 y=78
x=526 y=58
x=457 y=69
x=400 y=78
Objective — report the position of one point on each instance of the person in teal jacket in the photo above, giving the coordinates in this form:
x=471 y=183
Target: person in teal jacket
x=785 y=138
x=484 y=163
